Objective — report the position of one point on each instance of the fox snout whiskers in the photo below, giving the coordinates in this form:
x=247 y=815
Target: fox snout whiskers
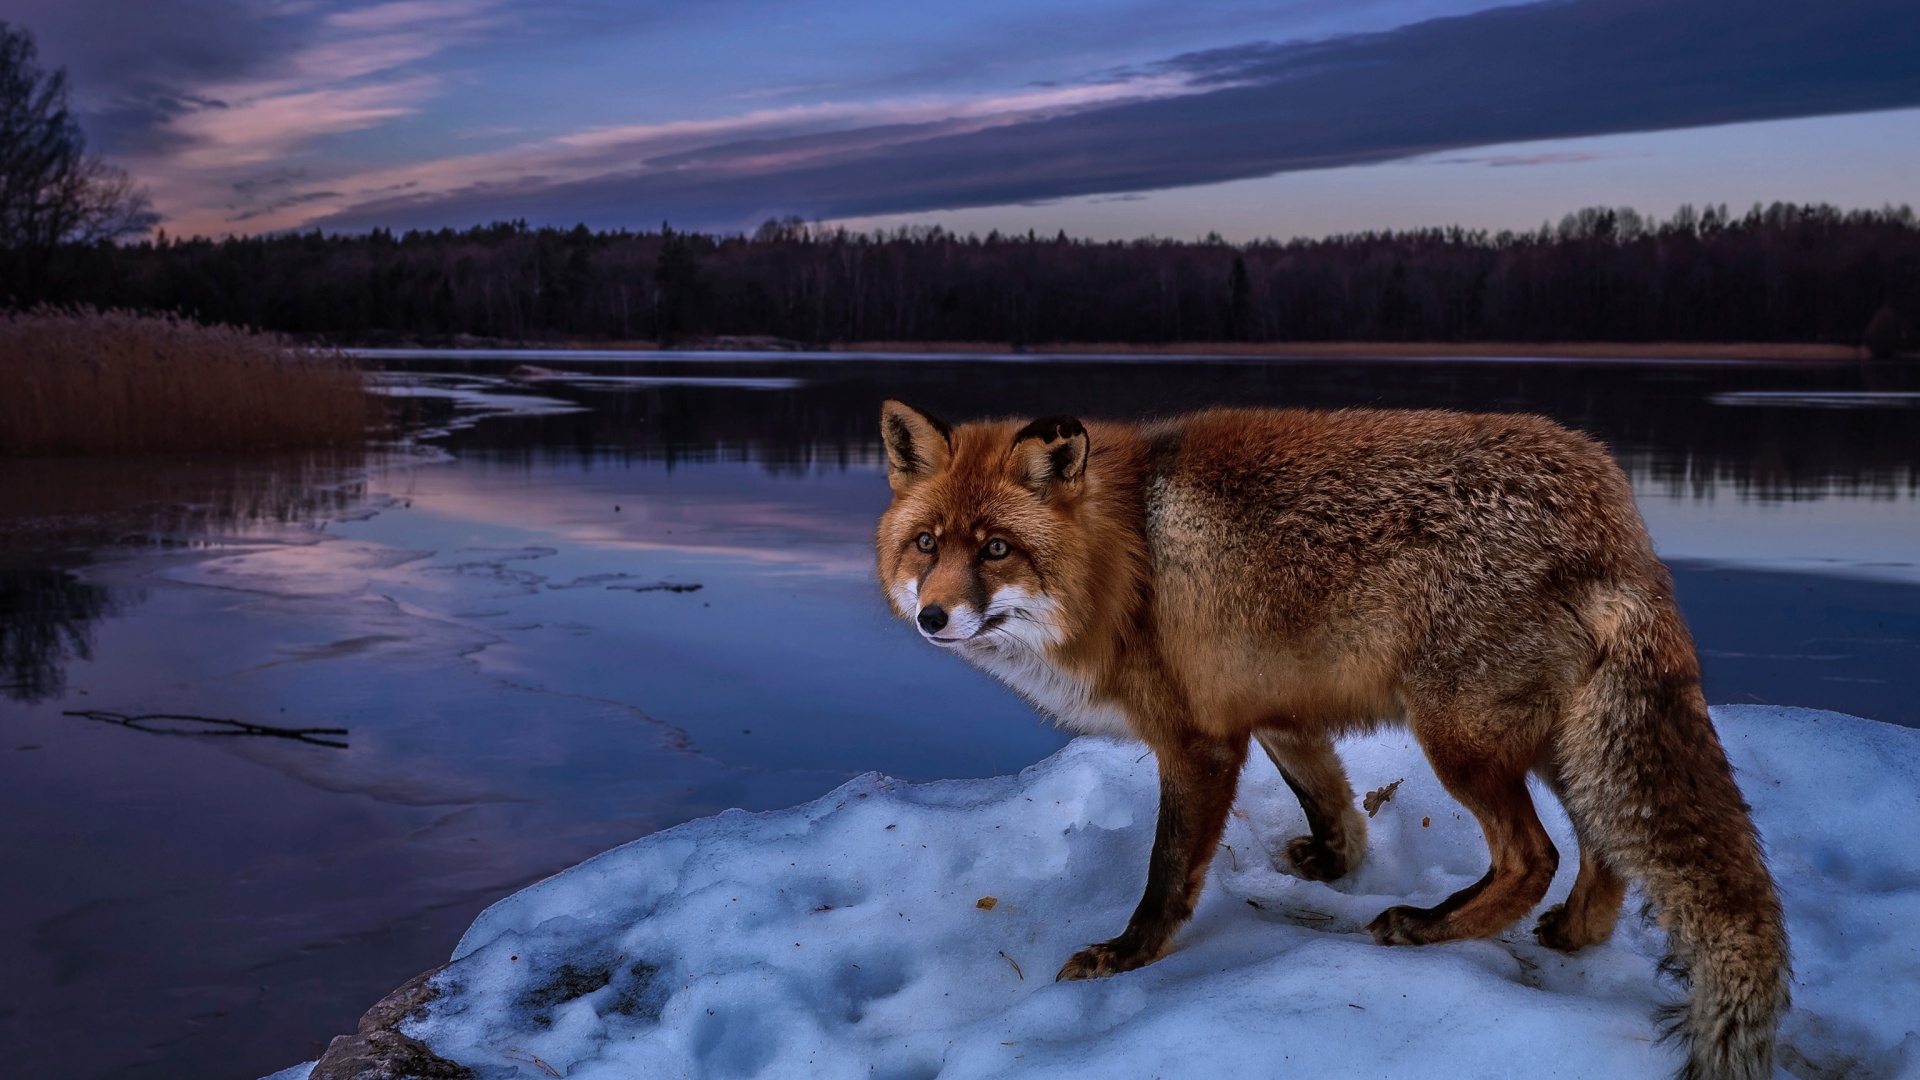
x=1012 y=619
x=1022 y=619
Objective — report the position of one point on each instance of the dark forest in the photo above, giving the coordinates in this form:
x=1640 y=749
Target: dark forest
x=1783 y=273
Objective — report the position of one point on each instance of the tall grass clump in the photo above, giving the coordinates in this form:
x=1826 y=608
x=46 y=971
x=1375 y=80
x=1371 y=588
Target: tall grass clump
x=80 y=381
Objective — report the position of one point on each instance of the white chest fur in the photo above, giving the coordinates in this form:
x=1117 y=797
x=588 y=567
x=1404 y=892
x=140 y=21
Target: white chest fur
x=1060 y=695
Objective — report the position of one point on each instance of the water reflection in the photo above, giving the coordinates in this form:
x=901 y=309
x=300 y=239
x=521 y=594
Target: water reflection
x=46 y=619
x=52 y=504
x=1755 y=427
x=56 y=513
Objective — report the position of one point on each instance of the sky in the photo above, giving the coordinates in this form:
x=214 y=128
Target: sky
x=1104 y=118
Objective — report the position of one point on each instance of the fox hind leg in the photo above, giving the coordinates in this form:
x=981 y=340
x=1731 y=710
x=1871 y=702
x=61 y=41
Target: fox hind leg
x=1593 y=907
x=1337 y=831
x=1495 y=790
x=1590 y=911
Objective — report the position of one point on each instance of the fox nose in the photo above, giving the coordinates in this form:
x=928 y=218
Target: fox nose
x=932 y=618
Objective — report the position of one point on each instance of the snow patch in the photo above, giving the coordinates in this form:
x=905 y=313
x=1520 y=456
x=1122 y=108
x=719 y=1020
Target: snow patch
x=852 y=936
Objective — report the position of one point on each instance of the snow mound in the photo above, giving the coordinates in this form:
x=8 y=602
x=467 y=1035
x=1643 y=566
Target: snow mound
x=854 y=936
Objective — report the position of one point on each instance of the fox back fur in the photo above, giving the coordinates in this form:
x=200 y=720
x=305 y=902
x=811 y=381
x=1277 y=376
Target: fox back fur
x=1287 y=577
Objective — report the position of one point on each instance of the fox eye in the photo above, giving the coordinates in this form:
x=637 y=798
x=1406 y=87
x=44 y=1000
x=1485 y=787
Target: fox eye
x=924 y=541
x=997 y=548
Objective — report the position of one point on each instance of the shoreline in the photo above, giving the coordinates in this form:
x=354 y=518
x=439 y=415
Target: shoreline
x=1301 y=350
x=1395 y=350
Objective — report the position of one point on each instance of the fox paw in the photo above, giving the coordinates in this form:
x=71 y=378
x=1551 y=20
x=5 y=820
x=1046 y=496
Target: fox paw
x=1402 y=925
x=1556 y=930
x=1314 y=860
x=1100 y=961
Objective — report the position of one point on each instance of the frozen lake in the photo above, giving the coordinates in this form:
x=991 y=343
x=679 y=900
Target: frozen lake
x=506 y=623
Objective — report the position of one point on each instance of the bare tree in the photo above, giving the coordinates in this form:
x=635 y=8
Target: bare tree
x=51 y=190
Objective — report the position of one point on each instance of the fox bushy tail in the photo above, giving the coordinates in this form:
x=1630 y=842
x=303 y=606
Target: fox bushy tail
x=1646 y=775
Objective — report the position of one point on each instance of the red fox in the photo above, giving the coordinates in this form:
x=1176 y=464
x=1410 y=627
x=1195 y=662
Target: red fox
x=1292 y=576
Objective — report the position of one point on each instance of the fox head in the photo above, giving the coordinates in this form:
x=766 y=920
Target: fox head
x=980 y=544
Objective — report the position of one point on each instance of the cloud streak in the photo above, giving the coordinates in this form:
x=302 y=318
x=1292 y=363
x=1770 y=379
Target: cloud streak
x=762 y=142
x=1563 y=69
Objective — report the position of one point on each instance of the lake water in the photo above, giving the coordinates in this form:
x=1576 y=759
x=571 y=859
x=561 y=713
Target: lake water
x=470 y=663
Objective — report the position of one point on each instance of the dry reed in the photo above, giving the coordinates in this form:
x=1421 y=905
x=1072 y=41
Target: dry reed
x=115 y=382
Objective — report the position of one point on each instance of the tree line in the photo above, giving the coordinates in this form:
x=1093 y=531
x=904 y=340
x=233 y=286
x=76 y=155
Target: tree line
x=1780 y=273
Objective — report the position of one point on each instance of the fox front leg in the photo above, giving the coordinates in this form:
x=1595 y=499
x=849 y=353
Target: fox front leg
x=1197 y=782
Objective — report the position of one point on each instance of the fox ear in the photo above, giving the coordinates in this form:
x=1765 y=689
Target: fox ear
x=1051 y=450
x=918 y=445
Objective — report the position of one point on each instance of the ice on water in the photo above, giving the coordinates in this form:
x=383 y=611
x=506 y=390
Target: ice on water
x=850 y=936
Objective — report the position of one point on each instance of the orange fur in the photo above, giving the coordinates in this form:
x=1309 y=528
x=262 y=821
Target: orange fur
x=1291 y=576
